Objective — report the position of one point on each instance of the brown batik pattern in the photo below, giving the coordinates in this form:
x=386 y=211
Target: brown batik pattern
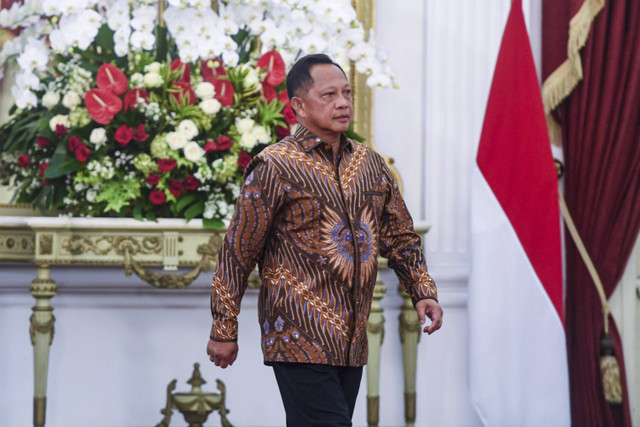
x=316 y=226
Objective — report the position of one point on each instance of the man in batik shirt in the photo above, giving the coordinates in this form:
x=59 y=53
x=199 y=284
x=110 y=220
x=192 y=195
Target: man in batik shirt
x=315 y=211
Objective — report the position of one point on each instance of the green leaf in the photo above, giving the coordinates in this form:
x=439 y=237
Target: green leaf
x=118 y=194
x=185 y=201
x=61 y=163
x=104 y=39
x=194 y=210
x=214 y=223
x=161 y=44
x=137 y=211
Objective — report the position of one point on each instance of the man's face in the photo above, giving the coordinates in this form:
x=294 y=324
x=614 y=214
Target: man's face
x=325 y=107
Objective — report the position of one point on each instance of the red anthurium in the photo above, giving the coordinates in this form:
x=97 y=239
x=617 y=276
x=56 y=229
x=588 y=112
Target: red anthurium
x=284 y=97
x=141 y=134
x=131 y=98
x=175 y=187
x=157 y=197
x=102 y=105
x=73 y=143
x=82 y=153
x=185 y=95
x=190 y=182
x=124 y=134
x=186 y=70
x=165 y=165
x=244 y=159
x=153 y=179
x=43 y=167
x=274 y=64
x=23 y=160
x=211 y=72
x=269 y=92
x=224 y=92
x=289 y=115
x=61 y=130
x=42 y=141
x=112 y=79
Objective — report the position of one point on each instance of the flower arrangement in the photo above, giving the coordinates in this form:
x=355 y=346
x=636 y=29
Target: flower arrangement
x=146 y=109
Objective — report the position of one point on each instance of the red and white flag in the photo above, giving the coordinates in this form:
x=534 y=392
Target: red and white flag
x=517 y=361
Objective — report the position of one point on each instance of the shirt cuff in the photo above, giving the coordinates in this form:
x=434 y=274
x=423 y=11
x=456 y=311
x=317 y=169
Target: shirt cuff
x=222 y=330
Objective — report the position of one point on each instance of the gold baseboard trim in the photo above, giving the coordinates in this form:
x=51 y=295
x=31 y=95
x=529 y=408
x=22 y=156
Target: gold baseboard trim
x=39 y=410
x=373 y=406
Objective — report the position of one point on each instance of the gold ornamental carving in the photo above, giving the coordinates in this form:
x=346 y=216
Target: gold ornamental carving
x=46 y=244
x=174 y=281
x=79 y=245
x=17 y=244
x=40 y=327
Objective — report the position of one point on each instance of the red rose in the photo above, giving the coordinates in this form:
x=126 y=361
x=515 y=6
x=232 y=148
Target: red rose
x=112 y=79
x=23 y=160
x=43 y=167
x=184 y=95
x=185 y=75
x=210 y=145
x=223 y=142
x=141 y=134
x=175 y=187
x=73 y=143
x=82 y=153
x=157 y=197
x=153 y=179
x=42 y=141
x=190 y=182
x=131 y=98
x=165 y=165
x=289 y=115
x=244 y=159
x=282 y=131
x=124 y=135
x=61 y=130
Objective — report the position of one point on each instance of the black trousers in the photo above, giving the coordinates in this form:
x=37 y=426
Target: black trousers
x=317 y=395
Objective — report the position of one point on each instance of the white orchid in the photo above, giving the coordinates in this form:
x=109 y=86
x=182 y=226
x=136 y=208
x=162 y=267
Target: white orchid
x=24 y=98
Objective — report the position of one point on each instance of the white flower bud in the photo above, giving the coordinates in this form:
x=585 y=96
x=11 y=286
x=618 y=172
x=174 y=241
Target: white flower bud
x=205 y=90
x=210 y=106
x=152 y=80
x=193 y=151
x=188 y=129
x=98 y=136
x=71 y=100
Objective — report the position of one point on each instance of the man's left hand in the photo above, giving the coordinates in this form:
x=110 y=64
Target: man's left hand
x=431 y=309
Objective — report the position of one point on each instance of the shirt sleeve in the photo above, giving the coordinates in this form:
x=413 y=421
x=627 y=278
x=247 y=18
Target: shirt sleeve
x=403 y=247
x=242 y=247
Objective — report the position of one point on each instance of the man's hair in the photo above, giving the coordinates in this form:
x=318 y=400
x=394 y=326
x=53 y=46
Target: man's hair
x=299 y=77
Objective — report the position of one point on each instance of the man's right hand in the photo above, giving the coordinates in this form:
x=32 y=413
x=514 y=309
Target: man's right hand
x=222 y=353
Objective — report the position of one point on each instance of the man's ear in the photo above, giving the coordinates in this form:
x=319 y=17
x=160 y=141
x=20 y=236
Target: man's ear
x=298 y=106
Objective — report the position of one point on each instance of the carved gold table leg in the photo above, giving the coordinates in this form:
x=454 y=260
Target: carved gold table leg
x=375 y=335
x=43 y=289
x=409 y=329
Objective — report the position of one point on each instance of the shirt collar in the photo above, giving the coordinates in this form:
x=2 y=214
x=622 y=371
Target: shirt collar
x=308 y=140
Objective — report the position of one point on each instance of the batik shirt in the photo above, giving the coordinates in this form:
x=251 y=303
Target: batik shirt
x=315 y=225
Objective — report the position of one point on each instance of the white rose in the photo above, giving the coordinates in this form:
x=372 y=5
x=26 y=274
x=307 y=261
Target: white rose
x=154 y=67
x=91 y=195
x=248 y=141
x=261 y=134
x=98 y=136
x=244 y=125
x=210 y=106
x=152 y=80
x=60 y=119
x=205 y=90
x=193 y=151
x=50 y=99
x=188 y=129
x=71 y=100
x=176 y=141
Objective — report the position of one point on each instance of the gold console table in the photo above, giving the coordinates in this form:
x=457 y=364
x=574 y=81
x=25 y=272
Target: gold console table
x=170 y=244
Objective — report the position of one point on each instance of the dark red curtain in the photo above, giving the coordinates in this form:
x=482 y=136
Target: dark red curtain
x=601 y=135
